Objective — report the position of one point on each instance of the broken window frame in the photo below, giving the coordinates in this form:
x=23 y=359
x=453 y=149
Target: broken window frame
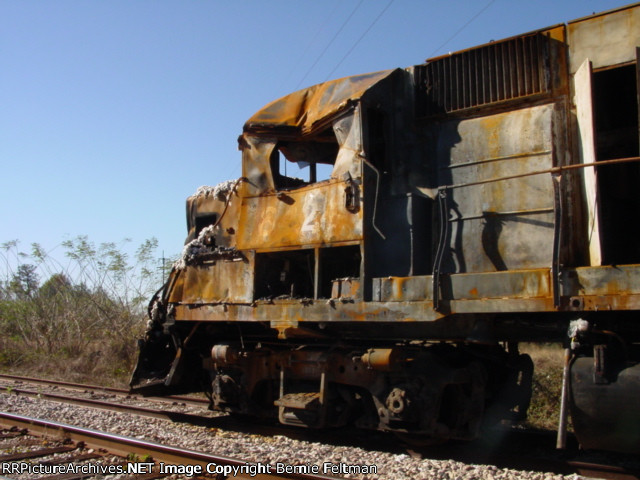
x=308 y=155
x=260 y=152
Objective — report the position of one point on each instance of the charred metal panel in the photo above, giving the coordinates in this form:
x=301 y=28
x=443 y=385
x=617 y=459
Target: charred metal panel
x=302 y=111
x=504 y=223
x=397 y=218
x=345 y=288
x=256 y=152
x=403 y=289
x=603 y=303
x=519 y=284
x=218 y=205
x=221 y=281
x=605 y=280
x=398 y=236
x=502 y=306
x=290 y=316
x=603 y=288
x=605 y=39
x=312 y=215
x=283 y=314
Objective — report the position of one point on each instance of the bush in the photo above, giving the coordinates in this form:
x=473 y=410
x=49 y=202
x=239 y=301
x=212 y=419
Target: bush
x=82 y=322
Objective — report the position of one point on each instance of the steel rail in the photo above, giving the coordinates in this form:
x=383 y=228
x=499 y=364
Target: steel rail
x=223 y=421
x=127 y=447
x=115 y=390
x=116 y=407
x=60 y=383
x=593 y=470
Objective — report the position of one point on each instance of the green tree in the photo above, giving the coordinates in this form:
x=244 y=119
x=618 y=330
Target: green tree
x=24 y=283
x=57 y=285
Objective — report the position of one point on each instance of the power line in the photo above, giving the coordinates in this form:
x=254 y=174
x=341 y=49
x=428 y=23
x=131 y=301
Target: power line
x=311 y=42
x=461 y=28
x=329 y=44
x=359 y=39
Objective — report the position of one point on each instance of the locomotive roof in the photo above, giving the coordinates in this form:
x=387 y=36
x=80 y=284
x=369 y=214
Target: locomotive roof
x=303 y=109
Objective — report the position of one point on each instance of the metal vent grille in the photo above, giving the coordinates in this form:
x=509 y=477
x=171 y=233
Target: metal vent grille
x=497 y=72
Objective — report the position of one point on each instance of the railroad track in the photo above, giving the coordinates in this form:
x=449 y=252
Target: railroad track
x=19 y=380
x=135 y=456
x=205 y=418
x=173 y=416
x=64 y=394
x=502 y=453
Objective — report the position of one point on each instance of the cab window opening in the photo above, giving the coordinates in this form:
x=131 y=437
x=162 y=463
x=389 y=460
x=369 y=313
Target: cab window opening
x=298 y=163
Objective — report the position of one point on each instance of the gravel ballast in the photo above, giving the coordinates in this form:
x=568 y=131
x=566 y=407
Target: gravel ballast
x=266 y=450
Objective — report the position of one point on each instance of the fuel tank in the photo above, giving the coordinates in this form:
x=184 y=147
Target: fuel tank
x=604 y=408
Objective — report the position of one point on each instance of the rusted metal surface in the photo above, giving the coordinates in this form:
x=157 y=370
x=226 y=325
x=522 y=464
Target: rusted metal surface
x=312 y=215
x=397 y=405
x=605 y=39
x=220 y=281
x=205 y=208
x=303 y=109
x=345 y=288
x=411 y=298
x=501 y=225
x=604 y=288
x=518 y=284
x=605 y=280
x=498 y=72
x=290 y=313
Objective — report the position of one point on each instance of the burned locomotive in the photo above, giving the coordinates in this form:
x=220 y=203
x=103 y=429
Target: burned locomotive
x=395 y=235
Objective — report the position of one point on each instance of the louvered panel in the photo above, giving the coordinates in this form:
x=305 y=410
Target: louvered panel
x=497 y=72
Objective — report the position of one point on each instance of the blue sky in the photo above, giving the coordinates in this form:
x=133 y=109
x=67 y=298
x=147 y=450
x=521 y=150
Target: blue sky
x=113 y=112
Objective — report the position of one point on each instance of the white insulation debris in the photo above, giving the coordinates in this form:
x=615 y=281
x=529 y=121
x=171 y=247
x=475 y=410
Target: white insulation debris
x=194 y=248
x=220 y=191
x=198 y=246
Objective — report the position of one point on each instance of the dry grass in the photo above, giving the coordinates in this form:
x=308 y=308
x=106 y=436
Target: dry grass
x=106 y=362
x=547 y=384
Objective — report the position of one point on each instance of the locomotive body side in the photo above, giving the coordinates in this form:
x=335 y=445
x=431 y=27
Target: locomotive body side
x=449 y=211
